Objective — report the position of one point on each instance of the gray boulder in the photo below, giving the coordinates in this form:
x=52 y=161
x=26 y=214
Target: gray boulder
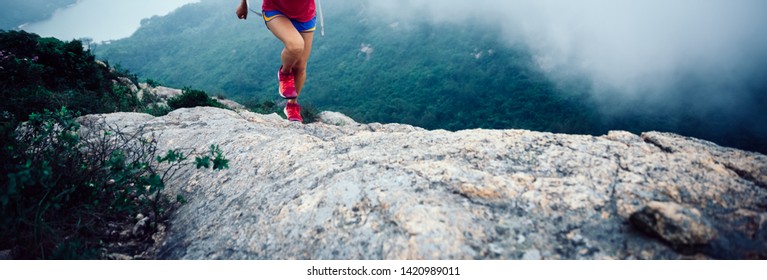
x=344 y=190
x=680 y=226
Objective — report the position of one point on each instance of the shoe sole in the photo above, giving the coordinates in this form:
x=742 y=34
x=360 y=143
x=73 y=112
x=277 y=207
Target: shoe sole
x=278 y=90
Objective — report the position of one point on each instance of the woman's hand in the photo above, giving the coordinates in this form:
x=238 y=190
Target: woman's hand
x=242 y=10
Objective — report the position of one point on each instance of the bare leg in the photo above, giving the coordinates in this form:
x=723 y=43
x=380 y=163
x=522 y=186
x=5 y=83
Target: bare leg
x=298 y=47
x=299 y=69
x=283 y=29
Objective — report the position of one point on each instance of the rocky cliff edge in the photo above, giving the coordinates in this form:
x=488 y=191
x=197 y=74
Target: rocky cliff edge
x=342 y=190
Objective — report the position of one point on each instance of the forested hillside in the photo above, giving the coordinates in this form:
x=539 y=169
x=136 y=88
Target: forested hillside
x=451 y=77
x=64 y=191
x=17 y=12
x=378 y=68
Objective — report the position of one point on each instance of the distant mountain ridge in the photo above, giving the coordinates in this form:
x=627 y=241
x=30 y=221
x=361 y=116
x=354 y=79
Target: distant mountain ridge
x=377 y=68
x=14 y=13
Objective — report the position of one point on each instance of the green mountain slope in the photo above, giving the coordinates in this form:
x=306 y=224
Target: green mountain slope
x=450 y=77
x=446 y=76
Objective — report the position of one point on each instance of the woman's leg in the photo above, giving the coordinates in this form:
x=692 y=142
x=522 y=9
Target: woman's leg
x=293 y=52
x=299 y=69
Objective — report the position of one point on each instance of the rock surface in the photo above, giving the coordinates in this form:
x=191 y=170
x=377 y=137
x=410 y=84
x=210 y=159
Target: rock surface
x=161 y=92
x=680 y=226
x=343 y=190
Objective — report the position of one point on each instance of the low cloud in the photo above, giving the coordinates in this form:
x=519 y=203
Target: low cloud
x=653 y=51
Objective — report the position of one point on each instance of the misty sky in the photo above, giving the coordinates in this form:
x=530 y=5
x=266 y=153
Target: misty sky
x=103 y=19
x=639 y=49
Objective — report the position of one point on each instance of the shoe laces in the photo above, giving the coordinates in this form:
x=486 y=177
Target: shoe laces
x=293 y=109
x=287 y=77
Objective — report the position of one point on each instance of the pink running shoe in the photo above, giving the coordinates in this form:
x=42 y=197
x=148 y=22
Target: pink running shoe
x=293 y=112
x=287 y=84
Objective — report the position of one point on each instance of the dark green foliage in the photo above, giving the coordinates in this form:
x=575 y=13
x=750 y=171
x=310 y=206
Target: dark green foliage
x=157 y=110
x=309 y=112
x=152 y=83
x=216 y=156
x=63 y=196
x=262 y=107
x=119 y=71
x=64 y=193
x=122 y=99
x=152 y=104
x=45 y=73
x=191 y=98
x=49 y=187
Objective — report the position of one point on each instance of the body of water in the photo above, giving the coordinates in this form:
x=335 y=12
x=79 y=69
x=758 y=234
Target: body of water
x=102 y=20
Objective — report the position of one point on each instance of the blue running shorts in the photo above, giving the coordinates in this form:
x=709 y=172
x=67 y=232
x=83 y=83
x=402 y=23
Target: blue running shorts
x=302 y=27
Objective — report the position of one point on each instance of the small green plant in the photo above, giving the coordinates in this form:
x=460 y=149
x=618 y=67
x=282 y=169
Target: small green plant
x=216 y=156
x=310 y=113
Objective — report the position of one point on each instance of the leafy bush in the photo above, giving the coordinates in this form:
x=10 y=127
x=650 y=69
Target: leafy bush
x=152 y=83
x=45 y=73
x=67 y=191
x=153 y=104
x=120 y=71
x=191 y=98
x=309 y=113
x=122 y=99
x=157 y=110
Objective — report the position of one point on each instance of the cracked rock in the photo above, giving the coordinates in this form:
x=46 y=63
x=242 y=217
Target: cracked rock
x=339 y=189
x=678 y=225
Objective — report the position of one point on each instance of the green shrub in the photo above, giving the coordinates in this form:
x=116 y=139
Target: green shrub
x=309 y=113
x=152 y=83
x=66 y=190
x=191 y=98
x=122 y=99
x=120 y=71
x=45 y=73
x=157 y=110
x=265 y=107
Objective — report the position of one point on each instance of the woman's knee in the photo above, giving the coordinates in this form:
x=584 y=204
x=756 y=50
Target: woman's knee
x=295 y=48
